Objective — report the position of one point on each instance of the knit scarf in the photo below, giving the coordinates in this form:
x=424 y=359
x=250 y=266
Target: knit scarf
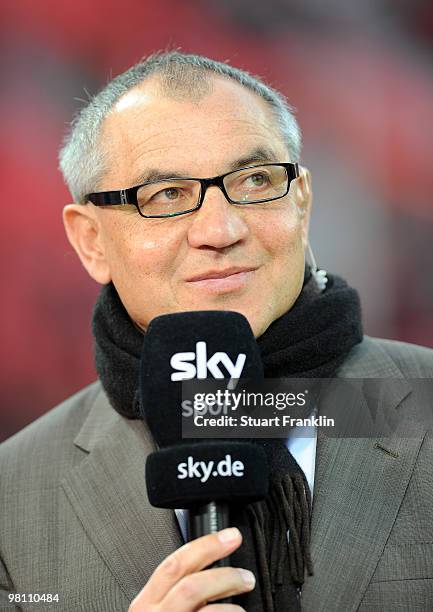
x=311 y=340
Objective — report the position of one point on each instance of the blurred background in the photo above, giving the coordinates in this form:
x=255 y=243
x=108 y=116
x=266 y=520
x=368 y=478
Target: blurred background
x=359 y=75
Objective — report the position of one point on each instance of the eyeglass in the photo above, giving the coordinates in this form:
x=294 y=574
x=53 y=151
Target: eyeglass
x=177 y=196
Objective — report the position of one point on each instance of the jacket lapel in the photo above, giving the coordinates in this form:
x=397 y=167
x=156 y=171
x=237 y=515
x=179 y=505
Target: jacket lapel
x=108 y=494
x=359 y=486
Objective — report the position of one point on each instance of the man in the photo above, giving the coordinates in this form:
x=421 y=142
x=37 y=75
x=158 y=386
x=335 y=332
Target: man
x=75 y=519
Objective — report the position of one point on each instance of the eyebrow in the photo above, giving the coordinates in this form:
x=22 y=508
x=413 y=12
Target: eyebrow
x=258 y=155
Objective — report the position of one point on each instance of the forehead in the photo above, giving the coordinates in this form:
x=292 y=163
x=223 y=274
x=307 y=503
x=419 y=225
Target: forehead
x=199 y=136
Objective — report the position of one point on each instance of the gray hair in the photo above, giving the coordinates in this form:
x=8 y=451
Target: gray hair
x=83 y=161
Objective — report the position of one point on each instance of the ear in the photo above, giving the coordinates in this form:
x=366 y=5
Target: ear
x=84 y=233
x=304 y=199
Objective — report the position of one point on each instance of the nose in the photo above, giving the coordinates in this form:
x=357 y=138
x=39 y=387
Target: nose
x=217 y=224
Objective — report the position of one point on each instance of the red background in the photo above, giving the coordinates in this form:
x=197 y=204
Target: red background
x=361 y=79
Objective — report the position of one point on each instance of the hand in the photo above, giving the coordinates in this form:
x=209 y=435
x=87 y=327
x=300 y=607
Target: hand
x=179 y=585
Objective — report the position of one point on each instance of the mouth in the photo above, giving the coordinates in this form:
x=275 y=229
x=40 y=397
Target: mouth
x=228 y=279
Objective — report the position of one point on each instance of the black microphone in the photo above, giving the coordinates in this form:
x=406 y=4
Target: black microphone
x=205 y=479
x=197 y=345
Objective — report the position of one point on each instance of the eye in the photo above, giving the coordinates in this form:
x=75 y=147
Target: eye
x=171 y=193
x=259 y=179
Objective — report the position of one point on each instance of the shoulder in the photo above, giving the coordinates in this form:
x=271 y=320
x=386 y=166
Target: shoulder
x=388 y=358
x=413 y=359
x=402 y=351
x=50 y=437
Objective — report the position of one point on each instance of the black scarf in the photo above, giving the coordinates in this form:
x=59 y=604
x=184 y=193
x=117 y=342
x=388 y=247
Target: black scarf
x=311 y=340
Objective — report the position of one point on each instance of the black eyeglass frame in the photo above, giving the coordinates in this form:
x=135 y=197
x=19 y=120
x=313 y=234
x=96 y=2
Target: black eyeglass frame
x=124 y=197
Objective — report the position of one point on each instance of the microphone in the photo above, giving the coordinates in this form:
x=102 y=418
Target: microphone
x=186 y=474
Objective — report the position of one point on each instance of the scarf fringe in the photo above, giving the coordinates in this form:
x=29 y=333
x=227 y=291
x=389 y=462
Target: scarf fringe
x=281 y=528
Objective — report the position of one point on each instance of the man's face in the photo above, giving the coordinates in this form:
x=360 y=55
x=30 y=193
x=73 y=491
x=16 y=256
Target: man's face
x=249 y=259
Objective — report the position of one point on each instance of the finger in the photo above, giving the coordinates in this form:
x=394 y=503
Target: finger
x=190 y=558
x=222 y=608
x=209 y=585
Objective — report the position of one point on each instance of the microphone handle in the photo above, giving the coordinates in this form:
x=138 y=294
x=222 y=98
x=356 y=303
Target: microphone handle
x=205 y=519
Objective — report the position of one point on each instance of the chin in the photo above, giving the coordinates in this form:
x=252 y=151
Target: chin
x=259 y=327
x=258 y=323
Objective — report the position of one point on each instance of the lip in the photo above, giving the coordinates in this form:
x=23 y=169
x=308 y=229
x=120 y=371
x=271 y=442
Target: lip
x=228 y=279
x=218 y=274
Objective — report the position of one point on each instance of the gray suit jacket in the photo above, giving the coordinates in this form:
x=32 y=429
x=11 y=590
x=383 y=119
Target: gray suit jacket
x=75 y=519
